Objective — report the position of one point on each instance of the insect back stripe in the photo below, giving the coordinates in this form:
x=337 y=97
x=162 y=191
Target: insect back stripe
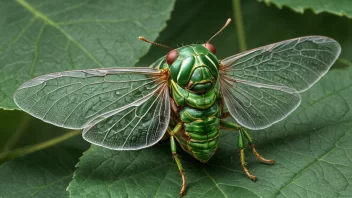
x=209 y=63
x=214 y=59
x=185 y=70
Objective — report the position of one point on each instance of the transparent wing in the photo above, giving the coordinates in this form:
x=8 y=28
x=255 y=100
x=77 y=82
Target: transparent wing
x=257 y=106
x=262 y=86
x=134 y=126
x=78 y=99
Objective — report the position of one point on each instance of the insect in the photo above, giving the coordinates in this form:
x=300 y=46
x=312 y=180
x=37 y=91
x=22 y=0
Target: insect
x=187 y=94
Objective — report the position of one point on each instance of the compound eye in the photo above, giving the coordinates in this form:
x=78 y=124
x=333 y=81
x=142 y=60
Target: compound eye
x=171 y=56
x=210 y=47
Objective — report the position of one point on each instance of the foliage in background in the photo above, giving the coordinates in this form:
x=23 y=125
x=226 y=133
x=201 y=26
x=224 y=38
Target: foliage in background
x=341 y=7
x=312 y=147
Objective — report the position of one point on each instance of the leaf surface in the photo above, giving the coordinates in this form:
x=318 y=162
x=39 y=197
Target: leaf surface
x=340 y=8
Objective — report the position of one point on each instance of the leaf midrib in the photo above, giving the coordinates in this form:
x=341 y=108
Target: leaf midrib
x=50 y=22
x=216 y=184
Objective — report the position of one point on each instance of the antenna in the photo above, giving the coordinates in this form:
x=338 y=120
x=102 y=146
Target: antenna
x=147 y=41
x=226 y=24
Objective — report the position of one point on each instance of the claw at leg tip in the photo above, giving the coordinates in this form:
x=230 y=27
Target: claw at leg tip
x=254 y=178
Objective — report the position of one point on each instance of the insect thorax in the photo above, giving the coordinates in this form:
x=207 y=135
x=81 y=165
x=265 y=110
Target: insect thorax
x=195 y=69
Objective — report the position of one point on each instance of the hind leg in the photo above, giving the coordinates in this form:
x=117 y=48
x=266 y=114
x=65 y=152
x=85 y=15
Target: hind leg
x=250 y=142
x=243 y=134
x=240 y=143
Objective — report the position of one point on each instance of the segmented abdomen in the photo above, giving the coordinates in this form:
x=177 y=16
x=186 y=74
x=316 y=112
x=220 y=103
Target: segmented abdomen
x=202 y=133
x=200 y=116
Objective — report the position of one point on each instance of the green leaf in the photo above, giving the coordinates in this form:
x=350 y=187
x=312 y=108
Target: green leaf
x=340 y=8
x=51 y=36
x=312 y=147
x=45 y=173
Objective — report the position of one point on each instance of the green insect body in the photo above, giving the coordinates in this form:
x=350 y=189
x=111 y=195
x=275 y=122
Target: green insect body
x=186 y=94
x=200 y=110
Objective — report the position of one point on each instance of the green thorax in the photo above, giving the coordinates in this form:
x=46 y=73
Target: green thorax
x=195 y=69
x=183 y=97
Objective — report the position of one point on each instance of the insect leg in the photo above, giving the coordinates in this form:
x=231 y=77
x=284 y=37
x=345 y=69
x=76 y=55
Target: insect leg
x=224 y=114
x=248 y=137
x=243 y=134
x=174 y=106
x=177 y=128
x=240 y=143
x=229 y=125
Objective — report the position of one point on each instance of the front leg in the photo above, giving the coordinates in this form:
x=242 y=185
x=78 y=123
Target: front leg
x=243 y=134
x=177 y=128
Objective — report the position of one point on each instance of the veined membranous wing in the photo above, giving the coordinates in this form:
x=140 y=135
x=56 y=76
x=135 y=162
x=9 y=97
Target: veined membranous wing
x=87 y=98
x=261 y=86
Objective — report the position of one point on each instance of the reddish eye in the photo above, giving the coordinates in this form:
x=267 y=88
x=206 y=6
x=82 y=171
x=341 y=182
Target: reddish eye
x=210 y=47
x=171 y=56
